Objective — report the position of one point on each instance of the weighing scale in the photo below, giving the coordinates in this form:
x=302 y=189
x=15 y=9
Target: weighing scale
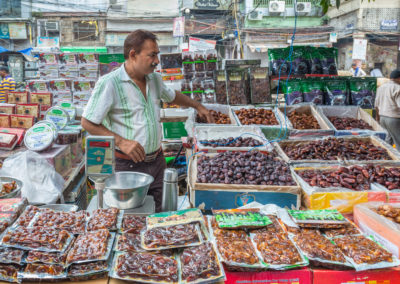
x=100 y=164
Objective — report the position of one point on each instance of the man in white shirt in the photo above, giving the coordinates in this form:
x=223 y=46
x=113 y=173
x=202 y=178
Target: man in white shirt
x=126 y=104
x=376 y=72
x=357 y=71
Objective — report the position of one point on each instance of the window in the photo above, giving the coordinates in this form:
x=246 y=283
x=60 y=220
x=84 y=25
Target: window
x=85 y=30
x=48 y=28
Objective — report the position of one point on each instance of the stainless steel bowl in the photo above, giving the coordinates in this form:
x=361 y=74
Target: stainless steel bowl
x=61 y=207
x=126 y=190
x=13 y=193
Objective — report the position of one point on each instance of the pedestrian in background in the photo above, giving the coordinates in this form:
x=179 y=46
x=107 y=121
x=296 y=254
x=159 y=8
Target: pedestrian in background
x=7 y=83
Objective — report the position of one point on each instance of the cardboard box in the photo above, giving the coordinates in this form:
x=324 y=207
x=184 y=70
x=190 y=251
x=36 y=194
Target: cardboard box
x=5 y=120
x=19 y=132
x=22 y=121
x=28 y=109
x=8 y=141
x=7 y=108
x=17 y=97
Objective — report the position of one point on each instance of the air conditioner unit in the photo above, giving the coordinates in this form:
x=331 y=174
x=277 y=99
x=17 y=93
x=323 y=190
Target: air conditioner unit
x=276 y=6
x=51 y=26
x=256 y=15
x=116 y=7
x=303 y=7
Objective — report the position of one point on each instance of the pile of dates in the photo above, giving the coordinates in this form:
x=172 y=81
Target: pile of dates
x=232 y=142
x=347 y=123
x=303 y=120
x=334 y=148
x=256 y=116
x=390 y=212
x=219 y=118
x=244 y=168
x=388 y=177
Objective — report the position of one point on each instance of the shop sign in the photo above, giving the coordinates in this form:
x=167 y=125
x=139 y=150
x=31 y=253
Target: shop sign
x=389 y=25
x=201 y=44
x=360 y=48
x=211 y=4
x=179 y=27
x=17 y=30
x=113 y=39
x=45 y=41
x=4 y=30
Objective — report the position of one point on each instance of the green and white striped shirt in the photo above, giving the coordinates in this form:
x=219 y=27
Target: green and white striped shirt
x=118 y=103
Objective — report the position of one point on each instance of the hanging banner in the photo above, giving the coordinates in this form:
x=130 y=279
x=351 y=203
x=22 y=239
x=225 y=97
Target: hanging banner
x=359 y=48
x=4 y=30
x=201 y=44
x=17 y=30
x=45 y=41
x=179 y=27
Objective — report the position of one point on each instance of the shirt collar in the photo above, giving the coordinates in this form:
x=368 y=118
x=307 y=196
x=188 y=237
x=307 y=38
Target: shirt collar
x=125 y=77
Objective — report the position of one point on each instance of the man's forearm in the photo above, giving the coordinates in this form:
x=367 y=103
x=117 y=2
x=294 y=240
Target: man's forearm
x=99 y=129
x=183 y=100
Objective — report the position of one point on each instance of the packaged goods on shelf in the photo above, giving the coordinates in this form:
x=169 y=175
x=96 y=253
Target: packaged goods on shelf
x=17 y=97
x=22 y=121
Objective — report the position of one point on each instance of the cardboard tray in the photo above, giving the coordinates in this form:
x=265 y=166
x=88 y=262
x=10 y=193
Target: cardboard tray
x=278 y=115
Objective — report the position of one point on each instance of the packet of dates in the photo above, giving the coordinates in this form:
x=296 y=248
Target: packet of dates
x=9 y=272
x=145 y=268
x=386 y=214
x=110 y=219
x=89 y=271
x=365 y=253
x=171 y=218
x=42 y=272
x=241 y=218
x=325 y=218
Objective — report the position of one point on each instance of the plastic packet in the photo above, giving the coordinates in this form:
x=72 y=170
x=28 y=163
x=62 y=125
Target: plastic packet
x=313 y=91
x=220 y=87
x=364 y=254
x=336 y=92
x=259 y=85
x=110 y=219
x=11 y=255
x=129 y=242
x=9 y=272
x=211 y=60
x=38 y=238
x=200 y=264
x=319 y=250
x=92 y=246
x=188 y=61
x=73 y=222
x=362 y=91
x=168 y=237
x=318 y=218
x=88 y=271
x=328 y=60
x=197 y=87
x=35 y=256
x=236 y=87
x=26 y=217
x=209 y=92
x=12 y=205
x=199 y=58
x=241 y=218
x=186 y=88
x=42 y=272
x=174 y=218
x=349 y=230
x=133 y=223
x=278 y=63
x=145 y=268
x=292 y=92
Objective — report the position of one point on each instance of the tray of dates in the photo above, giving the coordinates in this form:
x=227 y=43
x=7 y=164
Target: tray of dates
x=349 y=229
x=319 y=250
x=241 y=218
x=88 y=271
x=37 y=238
x=110 y=219
x=240 y=170
x=183 y=235
x=201 y=263
x=325 y=218
x=73 y=222
x=42 y=272
x=221 y=113
x=133 y=223
x=11 y=255
x=349 y=149
x=259 y=116
x=35 y=256
x=91 y=246
x=26 y=217
x=174 y=218
x=145 y=268
x=9 y=272
x=128 y=242
x=364 y=253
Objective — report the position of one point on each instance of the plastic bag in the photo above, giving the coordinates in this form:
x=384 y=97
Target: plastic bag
x=336 y=92
x=41 y=183
x=362 y=91
x=292 y=92
x=313 y=91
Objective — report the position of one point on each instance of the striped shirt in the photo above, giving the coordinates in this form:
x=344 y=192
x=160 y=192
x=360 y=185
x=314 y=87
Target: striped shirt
x=6 y=85
x=118 y=103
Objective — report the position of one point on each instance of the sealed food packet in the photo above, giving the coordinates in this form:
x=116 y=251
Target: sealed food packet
x=348 y=230
x=363 y=253
x=325 y=218
x=105 y=219
x=38 y=238
x=319 y=250
x=145 y=268
x=91 y=246
x=11 y=255
x=9 y=272
x=241 y=218
x=88 y=271
x=171 y=237
x=12 y=205
x=35 y=256
x=201 y=263
x=73 y=222
x=26 y=217
x=133 y=224
x=129 y=242
x=43 y=272
x=174 y=218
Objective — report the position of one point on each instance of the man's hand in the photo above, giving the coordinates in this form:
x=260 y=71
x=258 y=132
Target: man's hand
x=133 y=149
x=205 y=114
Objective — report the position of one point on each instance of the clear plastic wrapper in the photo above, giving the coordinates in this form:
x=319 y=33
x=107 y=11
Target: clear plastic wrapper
x=292 y=91
x=9 y=272
x=236 y=87
x=38 y=238
x=349 y=230
x=171 y=237
x=365 y=254
x=186 y=87
x=259 y=86
x=188 y=61
x=313 y=91
x=133 y=223
x=26 y=217
x=35 y=256
x=209 y=92
x=128 y=242
x=42 y=272
x=211 y=60
x=11 y=255
x=220 y=87
x=145 y=268
x=110 y=219
x=92 y=246
x=199 y=60
x=88 y=271
x=362 y=91
x=336 y=92
x=174 y=218
x=240 y=218
x=318 y=218
x=200 y=264
x=198 y=87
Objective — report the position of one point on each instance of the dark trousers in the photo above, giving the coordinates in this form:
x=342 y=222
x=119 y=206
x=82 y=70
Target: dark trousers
x=155 y=169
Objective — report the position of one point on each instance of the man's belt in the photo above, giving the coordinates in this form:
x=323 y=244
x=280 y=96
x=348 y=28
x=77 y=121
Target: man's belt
x=149 y=157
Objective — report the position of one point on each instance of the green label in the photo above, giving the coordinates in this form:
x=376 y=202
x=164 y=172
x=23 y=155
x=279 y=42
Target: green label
x=186 y=92
x=187 y=62
x=236 y=219
x=325 y=215
x=212 y=60
x=198 y=91
x=199 y=61
x=68 y=105
x=57 y=112
x=38 y=129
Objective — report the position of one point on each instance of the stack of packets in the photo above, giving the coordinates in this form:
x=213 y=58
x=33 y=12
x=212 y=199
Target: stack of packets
x=330 y=240
x=47 y=245
x=247 y=240
x=170 y=247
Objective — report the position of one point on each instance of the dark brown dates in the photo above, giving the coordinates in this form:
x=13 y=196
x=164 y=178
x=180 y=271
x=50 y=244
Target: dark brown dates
x=232 y=142
x=219 y=118
x=303 y=120
x=347 y=123
x=256 y=116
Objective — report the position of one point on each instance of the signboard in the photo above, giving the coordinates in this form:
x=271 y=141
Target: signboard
x=17 y=30
x=179 y=27
x=389 y=25
x=115 y=39
x=209 y=26
x=4 y=30
x=359 y=48
x=211 y=4
x=45 y=41
x=200 y=44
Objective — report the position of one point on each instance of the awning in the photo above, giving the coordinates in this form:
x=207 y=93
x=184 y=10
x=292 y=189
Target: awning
x=25 y=52
x=263 y=46
x=84 y=49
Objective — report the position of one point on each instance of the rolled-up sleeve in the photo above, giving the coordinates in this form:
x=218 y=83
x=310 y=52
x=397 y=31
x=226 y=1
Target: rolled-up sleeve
x=100 y=102
x=167 y=94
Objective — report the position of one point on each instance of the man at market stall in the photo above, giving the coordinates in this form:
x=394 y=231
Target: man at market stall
x=357 y=71
x=387 y=104
x=125 y=104
x=7 y=83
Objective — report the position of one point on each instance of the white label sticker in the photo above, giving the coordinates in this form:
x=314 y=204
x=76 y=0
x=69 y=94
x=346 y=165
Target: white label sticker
x=338 y=202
